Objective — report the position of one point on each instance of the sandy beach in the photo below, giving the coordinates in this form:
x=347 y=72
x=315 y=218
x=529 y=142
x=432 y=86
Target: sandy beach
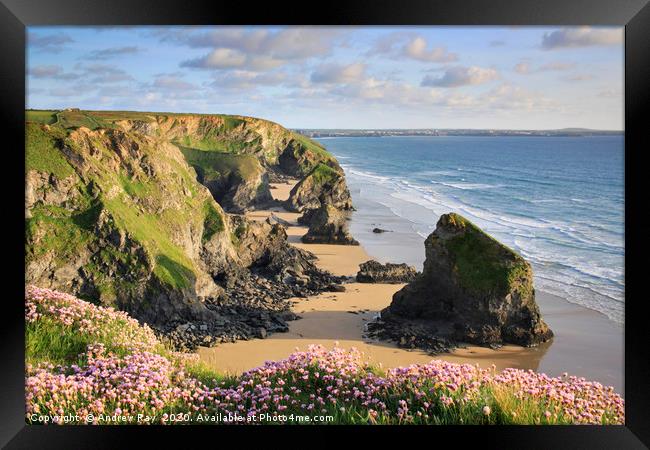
x=586 y=343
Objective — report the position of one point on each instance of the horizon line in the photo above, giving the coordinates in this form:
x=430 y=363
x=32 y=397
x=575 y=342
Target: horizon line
x=330 y=129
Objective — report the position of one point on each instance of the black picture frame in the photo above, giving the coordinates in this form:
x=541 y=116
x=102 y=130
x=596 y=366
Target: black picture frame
x=15 y=15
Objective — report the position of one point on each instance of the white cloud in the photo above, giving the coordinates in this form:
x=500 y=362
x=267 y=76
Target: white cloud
x=511 y=97
x=401 y=45
x=173 y=83
x=461 y=76
x=243 y=79
x=417 y=49
x=112 y=52
x=52 y=71
x=254 y=49
x=580 y=77
x=557 y=65
x=219 y=58
x=52 y=43
x=336 y=73
x=522 y=68
x=582 y=37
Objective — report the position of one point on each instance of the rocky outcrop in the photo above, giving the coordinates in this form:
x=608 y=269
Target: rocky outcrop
x=375 y=272
x=328 y=225
x=473 y=289
x=237 y=182
x=324 y=185
x=115 y=215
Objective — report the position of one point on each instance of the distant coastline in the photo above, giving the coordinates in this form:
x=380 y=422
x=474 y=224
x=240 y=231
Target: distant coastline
x=564 y=132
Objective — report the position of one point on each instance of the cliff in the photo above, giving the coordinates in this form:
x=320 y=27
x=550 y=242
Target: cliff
x=472 y=289
x=127 y=210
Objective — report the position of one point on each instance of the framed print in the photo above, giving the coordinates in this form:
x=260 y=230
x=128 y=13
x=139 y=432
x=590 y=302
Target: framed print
x=399 y=216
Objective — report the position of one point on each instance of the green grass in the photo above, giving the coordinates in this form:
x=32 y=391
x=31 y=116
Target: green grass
x=323 y=173
x=214 y=165
x=40 y=116
x=313 y=146
x=172 y=266
x=483 y=264
x=213 y=222
x=55 y=230
x=48 y=341
x=208 y=376
x=42 y=151
x=135 y=188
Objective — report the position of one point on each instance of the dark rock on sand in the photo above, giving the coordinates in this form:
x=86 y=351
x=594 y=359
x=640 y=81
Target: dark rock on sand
x=473 y=289
x=328 y=225
x=375 y=272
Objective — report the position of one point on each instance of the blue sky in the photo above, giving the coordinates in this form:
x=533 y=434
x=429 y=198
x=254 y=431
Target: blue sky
x=338 y=77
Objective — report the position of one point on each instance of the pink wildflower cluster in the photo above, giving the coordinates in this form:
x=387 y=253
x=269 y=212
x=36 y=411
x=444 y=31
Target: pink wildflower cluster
x=319 y=381
x=97 y=322
x=583 y=401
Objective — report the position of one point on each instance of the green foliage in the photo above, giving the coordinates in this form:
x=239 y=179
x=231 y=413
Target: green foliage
x=230 y=122
x=208 y=376
x=312 y=146
x=215 y=165
x=482 y=263
x=42 y=151
x=56 y=230
x=323 y=173
x=213 y=221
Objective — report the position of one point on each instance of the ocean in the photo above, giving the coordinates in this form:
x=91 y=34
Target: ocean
x=558 y=201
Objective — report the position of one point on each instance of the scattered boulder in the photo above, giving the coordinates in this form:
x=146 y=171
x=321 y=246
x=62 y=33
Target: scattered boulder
x=329 y=226
x=375 y=272
x=473 y=289
x=275 y=219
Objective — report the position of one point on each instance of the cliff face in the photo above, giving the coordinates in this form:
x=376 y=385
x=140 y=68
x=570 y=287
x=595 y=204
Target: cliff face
x=120 y=208
x=472 y=289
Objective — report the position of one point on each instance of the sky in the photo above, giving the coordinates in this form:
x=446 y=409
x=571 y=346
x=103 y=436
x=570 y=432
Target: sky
x=338 y=77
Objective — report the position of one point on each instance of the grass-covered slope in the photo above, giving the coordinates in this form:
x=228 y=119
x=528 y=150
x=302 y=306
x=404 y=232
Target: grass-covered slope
x=117 y=208
x=83 y=359
x=115 y=215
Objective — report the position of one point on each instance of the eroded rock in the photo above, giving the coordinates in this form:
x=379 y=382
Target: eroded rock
x=473 y=289
x=328 y=225
x=375 y=272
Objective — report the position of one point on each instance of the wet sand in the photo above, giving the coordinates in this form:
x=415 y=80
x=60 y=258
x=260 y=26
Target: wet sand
x=586 y=343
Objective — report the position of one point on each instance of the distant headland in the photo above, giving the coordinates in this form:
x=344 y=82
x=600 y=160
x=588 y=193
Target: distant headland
x=566 y=132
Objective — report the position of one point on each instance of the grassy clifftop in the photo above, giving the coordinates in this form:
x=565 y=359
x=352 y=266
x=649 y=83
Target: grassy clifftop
x=209 y=132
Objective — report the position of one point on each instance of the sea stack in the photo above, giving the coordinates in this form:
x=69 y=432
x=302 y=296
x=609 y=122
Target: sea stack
x=328 y=225
x=472 y=289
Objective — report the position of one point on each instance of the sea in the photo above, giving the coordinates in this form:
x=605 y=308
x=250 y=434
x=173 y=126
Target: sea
x=558 y=201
